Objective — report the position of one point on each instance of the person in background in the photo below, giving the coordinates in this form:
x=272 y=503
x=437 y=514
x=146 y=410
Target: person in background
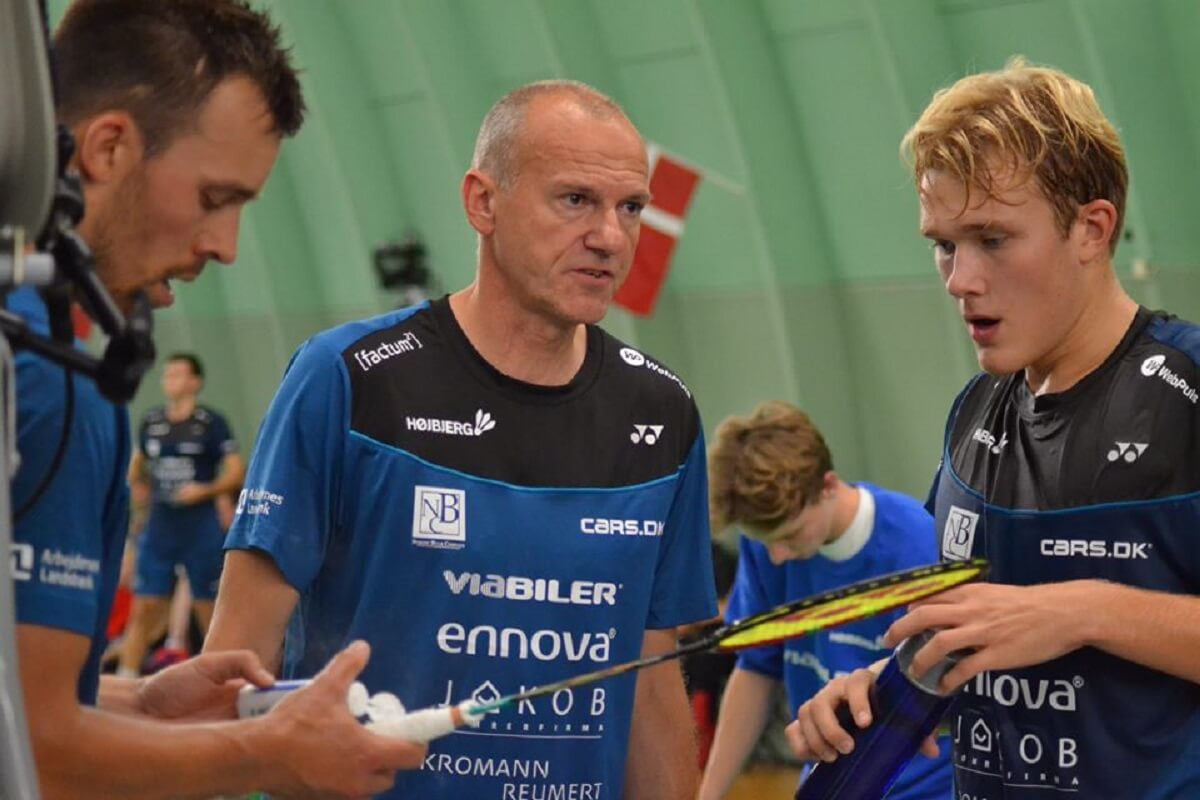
x=804 y=531
x=188 y=457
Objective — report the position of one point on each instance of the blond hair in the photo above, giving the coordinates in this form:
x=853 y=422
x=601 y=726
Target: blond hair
x=1024 y=122
x=765 y=468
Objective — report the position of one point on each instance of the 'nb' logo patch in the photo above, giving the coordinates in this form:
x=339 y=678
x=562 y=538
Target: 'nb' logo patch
x=958 y=536
x=439 y=517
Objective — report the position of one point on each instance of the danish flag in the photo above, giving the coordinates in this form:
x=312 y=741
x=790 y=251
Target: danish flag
x=672 y=185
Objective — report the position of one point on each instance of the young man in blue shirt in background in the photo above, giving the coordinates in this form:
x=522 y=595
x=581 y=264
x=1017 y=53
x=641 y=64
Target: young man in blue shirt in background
x=805 y=531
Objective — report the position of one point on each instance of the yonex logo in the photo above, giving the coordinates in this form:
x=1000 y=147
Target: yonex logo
x=21 y=561
x=1156 y=365
x=482 y=424
x=1128 y=452
x=439 y=517
x=646 y=433
x=958 y=535
x=632 y=357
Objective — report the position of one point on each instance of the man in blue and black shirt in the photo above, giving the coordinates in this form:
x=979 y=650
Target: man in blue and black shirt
x=178 y=111
x=186 y=462
x=1072 y=464
x=493 y=491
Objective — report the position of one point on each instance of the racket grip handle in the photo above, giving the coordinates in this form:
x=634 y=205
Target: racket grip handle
x=905 y=710
x=427 y=724
x=254 y=702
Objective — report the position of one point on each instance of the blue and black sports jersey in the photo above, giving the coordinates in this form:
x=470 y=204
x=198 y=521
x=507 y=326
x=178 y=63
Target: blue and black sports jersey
x=1101 y=481
x=902 y=537
x=185 y=451
x=66 y=552
x=485 y=536
x=177 y=453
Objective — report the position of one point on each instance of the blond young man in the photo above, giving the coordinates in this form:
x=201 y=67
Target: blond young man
x=1071 y=464
x=805 y=531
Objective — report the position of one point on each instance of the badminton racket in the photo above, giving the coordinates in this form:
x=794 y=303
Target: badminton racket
x=790 y=620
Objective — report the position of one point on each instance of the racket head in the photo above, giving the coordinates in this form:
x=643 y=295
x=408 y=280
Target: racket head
x=848 y=604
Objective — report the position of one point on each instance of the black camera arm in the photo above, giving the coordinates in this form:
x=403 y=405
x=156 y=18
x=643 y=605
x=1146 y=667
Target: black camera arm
x=130 y=350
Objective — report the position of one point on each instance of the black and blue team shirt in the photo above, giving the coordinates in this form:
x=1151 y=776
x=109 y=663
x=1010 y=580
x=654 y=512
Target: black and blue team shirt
x=901 y=538
x=484 y=536
x=66 y=552
x=177 y=453
x=1100 y=481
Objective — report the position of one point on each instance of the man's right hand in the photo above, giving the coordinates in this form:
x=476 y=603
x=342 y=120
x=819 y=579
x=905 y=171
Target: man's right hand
x=817 y=735
x=319 y=750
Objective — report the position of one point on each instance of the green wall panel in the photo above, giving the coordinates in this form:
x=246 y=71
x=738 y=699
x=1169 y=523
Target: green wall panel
x=800 y=275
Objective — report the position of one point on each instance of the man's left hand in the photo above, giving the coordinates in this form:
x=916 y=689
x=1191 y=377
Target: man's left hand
x=1004 y=627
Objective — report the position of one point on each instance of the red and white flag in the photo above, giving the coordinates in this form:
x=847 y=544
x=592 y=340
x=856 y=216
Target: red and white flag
x=672 y=185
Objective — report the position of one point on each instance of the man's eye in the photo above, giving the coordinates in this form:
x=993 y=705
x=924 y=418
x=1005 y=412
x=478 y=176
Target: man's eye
x=943 y=247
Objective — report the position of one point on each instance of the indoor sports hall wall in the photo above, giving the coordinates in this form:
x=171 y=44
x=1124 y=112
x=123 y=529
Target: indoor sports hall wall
x=800 y=274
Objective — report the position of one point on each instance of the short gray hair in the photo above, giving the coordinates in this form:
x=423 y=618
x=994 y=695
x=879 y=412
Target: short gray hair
x=496 y=144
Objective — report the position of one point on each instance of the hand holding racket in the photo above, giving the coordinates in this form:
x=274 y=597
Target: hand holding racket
x=788 y=621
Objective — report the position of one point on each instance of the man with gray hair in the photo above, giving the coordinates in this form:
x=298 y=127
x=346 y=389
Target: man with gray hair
x=510 y=498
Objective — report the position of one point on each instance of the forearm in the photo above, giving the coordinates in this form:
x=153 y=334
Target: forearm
x=251 y=580
x=745 y=708
x=662 y=763
x=119 y=695
x=228 y=482
x=139 y=492
x=99 y=755
x=1154 y=629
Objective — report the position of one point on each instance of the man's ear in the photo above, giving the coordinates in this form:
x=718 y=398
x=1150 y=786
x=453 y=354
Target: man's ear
x=108 y=146
x=479 y=201
x=1095 y=225
x=829 y=483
